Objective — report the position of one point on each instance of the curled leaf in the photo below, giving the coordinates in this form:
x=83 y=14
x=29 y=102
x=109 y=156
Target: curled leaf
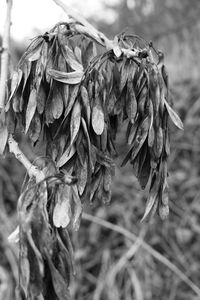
x=69 y=78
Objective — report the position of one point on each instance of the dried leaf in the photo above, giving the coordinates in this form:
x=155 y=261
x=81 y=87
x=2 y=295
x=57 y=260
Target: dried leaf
x=82 y=177
x=3 y=137
x=59 y=283
x=62 y=210
x=131 y=103
x=69 y=78
x=88 y=54
x=16 y=79
x=75 y=121
x=86 y=103
x=30 y=111
x=57 y=104
x=71 y=59
x=97 y=117
x=174 y=117
x=69 y=152
x=35 y=128
x=41 y=99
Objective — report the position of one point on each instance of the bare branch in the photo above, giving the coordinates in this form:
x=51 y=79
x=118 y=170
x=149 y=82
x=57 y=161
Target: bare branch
x=32 y=170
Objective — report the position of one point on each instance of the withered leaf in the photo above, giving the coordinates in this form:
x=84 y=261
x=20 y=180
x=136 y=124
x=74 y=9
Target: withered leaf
x=30 y=111
x=163 y=211
x=41 y=99
x=77 y=53
x=59 y=283
x=69 y=78
x=35 y=51
x=86 y=102
x=16 y=79
x=3 y=137
x=72 y=97
x=131 y=103
x=71 y=59
x=77 y=207
x=116 y=49
x=69 y=152
x=57 y=104
x=83 y=176
x=97 y=117
x=151 y=199
x=89 y=53
x=62 y=210
x=35 y=128
x=158 y=142
x=107 y=180
x=75 y=121
x=174 y=117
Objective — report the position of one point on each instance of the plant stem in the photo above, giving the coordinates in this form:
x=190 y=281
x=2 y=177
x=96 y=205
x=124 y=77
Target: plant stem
x=5 y=56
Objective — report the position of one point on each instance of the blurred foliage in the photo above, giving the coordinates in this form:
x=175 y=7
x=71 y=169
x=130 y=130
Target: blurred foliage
x=99 y=249
x=173 y=25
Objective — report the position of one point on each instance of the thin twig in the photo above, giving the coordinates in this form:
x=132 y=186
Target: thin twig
x=131 y=236
x=5 y=55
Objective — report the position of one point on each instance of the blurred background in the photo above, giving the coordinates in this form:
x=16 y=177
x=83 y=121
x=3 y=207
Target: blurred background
x=163 y=263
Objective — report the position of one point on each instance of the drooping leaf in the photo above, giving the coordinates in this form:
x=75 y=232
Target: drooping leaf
x=69 y=78
x=131 y=103
x=30 y=111
x=75 y=121
x=174 y=117
x=59 y=284
x=41 y=99
x=3 y=137
x=69 y=152
x=57 y=104
x=62 y=210
x=35 y=128
x=71 y=59
x=97 y=117
x=86 y=103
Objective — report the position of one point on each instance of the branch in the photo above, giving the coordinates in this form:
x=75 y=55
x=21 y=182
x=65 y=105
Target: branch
x=99 y=36
x=32 y=170
x=5 y=55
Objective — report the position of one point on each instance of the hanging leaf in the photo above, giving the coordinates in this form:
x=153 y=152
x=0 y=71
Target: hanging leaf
x=97 y=117
x=75 y=121
x=3 y=137
x=82 y=177
x=86 y=103
x=62 y=211
x=30 y=111
x=89 y=53
x=34 y=51
x=35 y=128
x=59 y=283
x=69 y=152
x=71 y=59
x=69 y=78
x=151 y=199
x=131 y=103
x=57 y=103
x=41 y=99
x=16 y=79
x=174 y=117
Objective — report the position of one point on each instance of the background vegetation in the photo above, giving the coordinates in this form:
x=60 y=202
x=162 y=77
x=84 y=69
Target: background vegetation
x=109 y=263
